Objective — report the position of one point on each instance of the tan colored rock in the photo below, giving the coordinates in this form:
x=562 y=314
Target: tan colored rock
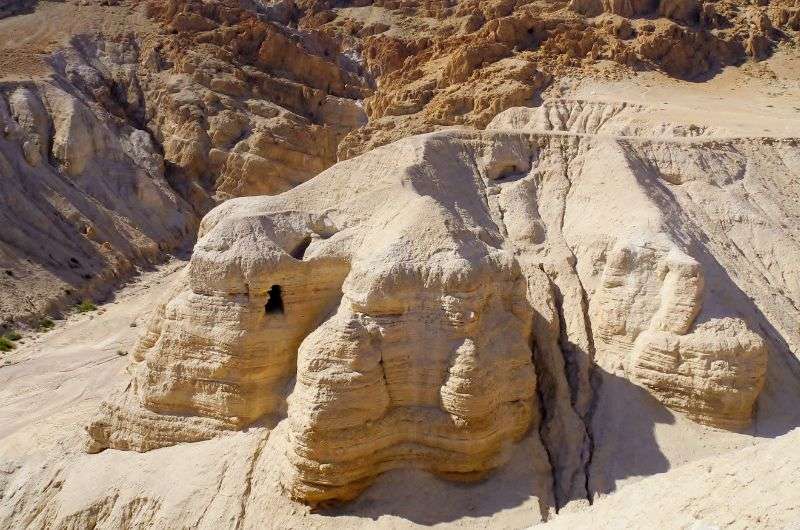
x=425 y=292
x=686 y=11
x=250 y=98
x=625 y=8
x=442 y=305
x=468 y=377
x=644 y=314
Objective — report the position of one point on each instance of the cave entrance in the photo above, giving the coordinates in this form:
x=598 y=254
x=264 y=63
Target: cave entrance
x=274 y=305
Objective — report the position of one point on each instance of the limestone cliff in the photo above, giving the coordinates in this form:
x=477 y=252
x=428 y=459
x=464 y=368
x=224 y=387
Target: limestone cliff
x=84 y=200
x=429 y=303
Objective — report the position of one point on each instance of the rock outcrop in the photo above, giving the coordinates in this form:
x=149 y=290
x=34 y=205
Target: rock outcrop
x=409 y=264
x=84 y=200
x=332 y=289
x=644 y=315
x=429 y=303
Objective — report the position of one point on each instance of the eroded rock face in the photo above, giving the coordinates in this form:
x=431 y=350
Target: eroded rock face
x=421 y=305
x=84 y=200
x=251 y=98
x=645 y=311
x=376 y=359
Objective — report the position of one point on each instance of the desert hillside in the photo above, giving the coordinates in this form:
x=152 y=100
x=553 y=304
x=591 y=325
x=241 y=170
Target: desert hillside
x=325 y=264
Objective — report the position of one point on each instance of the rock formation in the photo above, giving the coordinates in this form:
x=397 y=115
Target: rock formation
x=84 y=200
x=427 y=249
x=250 y=98
x=403 y=307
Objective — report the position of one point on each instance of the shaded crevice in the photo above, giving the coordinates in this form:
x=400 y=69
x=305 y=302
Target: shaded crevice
x=594 y=381
x=571 y=375
x=544 y=396
x=568 y=371
x=594 y=388
x=299 y=252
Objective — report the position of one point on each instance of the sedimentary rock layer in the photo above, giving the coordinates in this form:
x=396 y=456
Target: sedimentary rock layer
x=423 y=304
x=250 y=98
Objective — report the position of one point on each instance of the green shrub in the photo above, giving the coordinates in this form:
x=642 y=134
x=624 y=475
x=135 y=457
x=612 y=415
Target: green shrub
x=86 y=306
x=45 y=324
x=13 y=335
x=6 y=345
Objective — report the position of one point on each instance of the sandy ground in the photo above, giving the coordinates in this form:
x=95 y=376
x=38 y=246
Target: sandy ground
x=756 y=99
x=27 y=40
x=74 y=364
x=52 y=384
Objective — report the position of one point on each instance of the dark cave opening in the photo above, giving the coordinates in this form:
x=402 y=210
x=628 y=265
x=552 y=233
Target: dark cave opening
x=274 y=303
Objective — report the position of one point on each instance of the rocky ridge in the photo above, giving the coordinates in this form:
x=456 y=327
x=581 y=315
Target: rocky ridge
x=545 y=302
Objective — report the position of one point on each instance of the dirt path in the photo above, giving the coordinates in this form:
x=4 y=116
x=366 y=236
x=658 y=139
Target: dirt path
x=78 y=360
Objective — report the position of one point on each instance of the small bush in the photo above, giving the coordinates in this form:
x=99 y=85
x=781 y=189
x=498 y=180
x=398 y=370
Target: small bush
x=13 y=335
x=45 y=324
x=6 y=345
x=122 y=353
x=86 y=306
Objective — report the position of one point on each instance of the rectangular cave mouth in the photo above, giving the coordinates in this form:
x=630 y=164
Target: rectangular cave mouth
x=274 y=305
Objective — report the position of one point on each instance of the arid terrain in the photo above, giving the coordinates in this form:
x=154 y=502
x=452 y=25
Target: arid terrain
x=332 y=264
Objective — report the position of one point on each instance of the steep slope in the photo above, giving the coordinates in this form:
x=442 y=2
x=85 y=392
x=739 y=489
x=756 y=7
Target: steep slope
x=84 y=200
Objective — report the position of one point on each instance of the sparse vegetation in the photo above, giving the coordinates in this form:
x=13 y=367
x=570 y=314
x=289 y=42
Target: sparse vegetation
x=6 y=344
x=45 y=324
x=86 y=306
x=13 y=335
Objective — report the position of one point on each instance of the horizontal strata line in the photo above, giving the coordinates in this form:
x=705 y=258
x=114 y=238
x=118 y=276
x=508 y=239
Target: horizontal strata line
x=710 y=141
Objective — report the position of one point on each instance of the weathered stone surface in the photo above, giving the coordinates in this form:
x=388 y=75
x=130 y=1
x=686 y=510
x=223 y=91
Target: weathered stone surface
x=84 y=201
x=644 y=315
x=419 y=287
x=505 y=304
x=250 y=98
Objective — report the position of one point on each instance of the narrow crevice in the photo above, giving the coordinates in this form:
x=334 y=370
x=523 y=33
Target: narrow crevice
x=541 y=379
x=594 y=382
x=594 y=385
x=570 y=369
x=299 y=252
x=572 y=374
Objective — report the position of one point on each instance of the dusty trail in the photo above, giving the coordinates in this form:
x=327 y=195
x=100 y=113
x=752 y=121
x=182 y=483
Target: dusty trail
x=74 y=364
